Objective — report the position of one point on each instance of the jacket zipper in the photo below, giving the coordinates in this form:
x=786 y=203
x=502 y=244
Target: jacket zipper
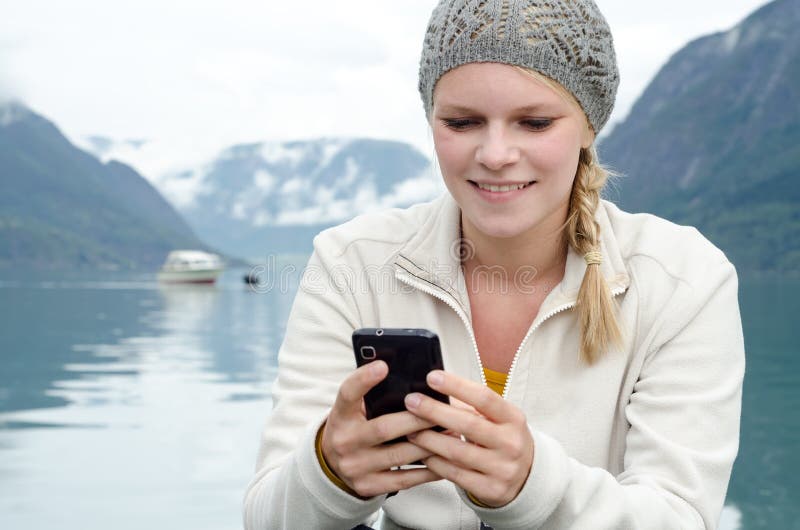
x=530 y=332
x=424 y=288
x=524 y=339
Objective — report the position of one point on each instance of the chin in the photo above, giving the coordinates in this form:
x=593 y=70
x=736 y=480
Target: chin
x=502 y=228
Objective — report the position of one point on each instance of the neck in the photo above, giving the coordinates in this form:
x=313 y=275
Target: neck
x=539 y=254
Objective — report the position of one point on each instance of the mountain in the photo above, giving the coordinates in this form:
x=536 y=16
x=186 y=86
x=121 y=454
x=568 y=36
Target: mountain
x=262 y=198
x=61 y=207
x=714 y=141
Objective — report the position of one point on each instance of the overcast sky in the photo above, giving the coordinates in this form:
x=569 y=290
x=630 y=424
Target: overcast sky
x=208 y=74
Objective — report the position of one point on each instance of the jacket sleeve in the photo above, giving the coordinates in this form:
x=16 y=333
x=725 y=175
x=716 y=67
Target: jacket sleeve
x=290 y=490
x=684 y=416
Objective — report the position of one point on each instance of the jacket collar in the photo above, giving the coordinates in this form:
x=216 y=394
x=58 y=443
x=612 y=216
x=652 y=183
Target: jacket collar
x=431 y=255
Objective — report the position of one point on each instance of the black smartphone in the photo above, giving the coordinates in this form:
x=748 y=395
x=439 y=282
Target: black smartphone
x=410 y=353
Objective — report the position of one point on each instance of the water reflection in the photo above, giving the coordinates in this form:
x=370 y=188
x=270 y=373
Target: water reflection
x=43 y=328
x=153 y=400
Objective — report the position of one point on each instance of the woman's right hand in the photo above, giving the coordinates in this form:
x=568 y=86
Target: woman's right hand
x=352 y=445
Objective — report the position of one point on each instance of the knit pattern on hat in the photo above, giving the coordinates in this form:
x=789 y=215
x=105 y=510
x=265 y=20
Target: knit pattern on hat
x=566 y=40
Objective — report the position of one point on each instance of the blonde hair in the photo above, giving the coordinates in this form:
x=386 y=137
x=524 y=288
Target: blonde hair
x=595 y=306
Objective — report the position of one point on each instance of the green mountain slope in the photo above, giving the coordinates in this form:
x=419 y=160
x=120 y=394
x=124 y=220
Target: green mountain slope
x=61 y=207
x=714 y=141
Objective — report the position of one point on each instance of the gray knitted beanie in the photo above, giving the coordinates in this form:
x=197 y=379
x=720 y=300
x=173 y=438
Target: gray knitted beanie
x=566 y=40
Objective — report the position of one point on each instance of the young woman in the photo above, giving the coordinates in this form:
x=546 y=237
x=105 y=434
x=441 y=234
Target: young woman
x=594 y=358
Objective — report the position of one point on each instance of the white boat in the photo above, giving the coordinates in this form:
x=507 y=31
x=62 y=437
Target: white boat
x=191 y=266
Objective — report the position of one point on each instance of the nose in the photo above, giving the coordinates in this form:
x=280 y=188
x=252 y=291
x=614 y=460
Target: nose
x=496 y=149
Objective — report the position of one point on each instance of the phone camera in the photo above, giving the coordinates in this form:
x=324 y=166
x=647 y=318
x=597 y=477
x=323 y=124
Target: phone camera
x=368 y=353
x=379 y=332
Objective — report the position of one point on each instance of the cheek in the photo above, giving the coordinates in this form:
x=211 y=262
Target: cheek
x=557 y=156
x=452 y=152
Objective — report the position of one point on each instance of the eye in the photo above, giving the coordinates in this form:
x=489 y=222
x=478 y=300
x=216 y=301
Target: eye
x=459 y=124
x=537 y=124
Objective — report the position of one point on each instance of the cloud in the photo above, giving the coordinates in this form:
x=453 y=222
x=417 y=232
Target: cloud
x=423 y=187
x=214 y=74
x=9 y=89
x=7 y=93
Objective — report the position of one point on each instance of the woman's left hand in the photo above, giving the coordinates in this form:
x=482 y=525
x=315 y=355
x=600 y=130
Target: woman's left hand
x=494 y=463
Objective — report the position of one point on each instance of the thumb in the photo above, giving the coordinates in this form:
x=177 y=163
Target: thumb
x=350 y=398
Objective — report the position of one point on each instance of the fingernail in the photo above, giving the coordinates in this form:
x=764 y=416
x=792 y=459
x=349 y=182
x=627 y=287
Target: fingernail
x=412 y=401
x=435 y=378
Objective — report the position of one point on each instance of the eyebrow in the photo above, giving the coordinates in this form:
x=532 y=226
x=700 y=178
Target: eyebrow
x=528 y=109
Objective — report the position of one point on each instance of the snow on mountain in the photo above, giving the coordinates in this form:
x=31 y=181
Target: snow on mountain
x=254 y=198
x=318 y=182
x=253 y=195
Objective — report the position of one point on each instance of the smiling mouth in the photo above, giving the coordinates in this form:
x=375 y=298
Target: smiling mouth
x=499 y=189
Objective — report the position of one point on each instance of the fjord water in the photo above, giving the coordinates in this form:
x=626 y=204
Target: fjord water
x=125 y=404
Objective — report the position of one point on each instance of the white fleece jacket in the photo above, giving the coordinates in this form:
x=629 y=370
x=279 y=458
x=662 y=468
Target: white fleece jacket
x=644 y=439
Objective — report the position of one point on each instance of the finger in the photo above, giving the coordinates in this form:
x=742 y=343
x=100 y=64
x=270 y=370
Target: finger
x=465 y=454
x=476 y=428
x=470 y=480
x=484 y=399
x=352 y=390
x=382 y=458
x=389 y=481
x=396 y=455
x=457 y=403
x=390 y=426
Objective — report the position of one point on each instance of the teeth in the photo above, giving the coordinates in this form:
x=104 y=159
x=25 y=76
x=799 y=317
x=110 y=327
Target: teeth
x=493 y=188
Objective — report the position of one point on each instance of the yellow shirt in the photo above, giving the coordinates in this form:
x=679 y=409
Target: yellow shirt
x=495 y=380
